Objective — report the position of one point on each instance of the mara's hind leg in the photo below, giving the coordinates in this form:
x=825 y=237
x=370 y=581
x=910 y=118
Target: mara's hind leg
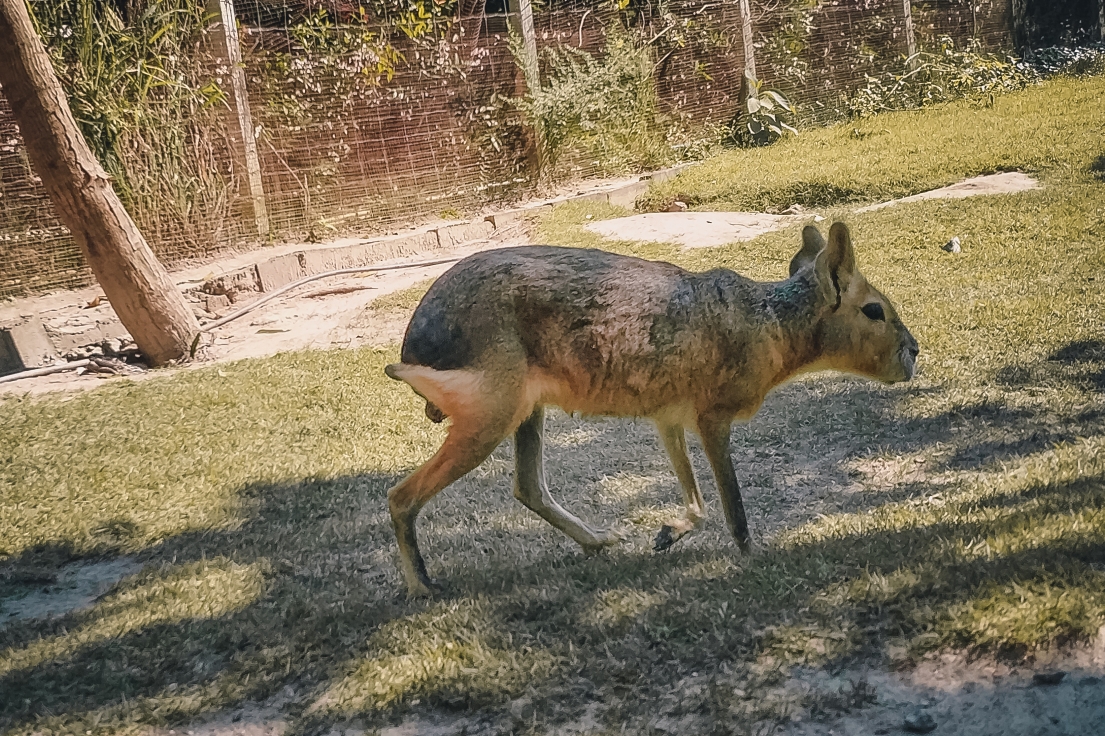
x=675 y=442
x=531 y=490
x=715 y=441
x=469 y=443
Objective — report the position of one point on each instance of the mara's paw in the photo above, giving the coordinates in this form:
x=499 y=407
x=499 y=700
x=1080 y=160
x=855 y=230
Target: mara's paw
x=601 y=539
x=423 y=589
x=671 y=533
x=665 y=538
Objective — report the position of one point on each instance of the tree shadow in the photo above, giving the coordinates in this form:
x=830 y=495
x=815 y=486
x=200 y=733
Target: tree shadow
x=328 y=623
x=1097 y=168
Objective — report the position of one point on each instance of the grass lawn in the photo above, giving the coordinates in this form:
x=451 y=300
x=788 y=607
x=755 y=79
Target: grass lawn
x=963 y=510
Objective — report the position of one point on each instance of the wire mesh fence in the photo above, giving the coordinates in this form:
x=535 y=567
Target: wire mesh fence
x=362 y=123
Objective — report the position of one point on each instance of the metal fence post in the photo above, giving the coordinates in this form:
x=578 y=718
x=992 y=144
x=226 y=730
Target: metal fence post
x=228 y=52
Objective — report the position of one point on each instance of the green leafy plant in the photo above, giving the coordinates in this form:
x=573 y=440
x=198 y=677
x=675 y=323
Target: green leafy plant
x=1078 y=61
x=765 y=116
x=786 y=49
x=326 y=61
x=600 y=112
x=333 y=65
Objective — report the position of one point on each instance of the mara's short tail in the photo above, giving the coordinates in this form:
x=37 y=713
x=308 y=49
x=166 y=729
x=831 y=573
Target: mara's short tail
x=433 y=413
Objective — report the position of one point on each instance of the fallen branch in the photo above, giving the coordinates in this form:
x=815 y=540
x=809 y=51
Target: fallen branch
x=337 y=290
x=45 y=371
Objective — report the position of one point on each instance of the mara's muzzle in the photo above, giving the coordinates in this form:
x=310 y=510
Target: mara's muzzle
x=907 y=356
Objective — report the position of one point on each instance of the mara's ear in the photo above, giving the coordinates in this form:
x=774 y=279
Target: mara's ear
x=838 y=258
x=812 y=244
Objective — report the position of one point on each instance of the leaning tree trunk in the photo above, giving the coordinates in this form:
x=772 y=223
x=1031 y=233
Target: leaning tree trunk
x=139 y=289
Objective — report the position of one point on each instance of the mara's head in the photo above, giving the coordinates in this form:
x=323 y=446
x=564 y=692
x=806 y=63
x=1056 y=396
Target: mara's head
x=859 y=330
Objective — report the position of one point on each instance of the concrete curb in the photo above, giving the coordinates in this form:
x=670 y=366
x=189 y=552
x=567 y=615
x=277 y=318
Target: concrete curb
x=275 y=272
x=34 y=342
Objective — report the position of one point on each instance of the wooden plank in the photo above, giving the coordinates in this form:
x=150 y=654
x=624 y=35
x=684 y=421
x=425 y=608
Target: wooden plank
x=224 y=31
x=910 y=38
x=531 y=68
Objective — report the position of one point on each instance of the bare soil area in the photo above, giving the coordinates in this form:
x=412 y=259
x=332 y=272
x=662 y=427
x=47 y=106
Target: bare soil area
x=76 y=587
x=329 y=313
x=692 y=229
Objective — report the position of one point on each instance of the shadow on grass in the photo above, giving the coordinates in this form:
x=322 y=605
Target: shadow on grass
x=1097 y=168
x=327 y=636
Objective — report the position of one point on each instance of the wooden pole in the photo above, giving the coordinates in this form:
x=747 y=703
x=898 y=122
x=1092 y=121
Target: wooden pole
x=228 y=52
x=1018 y=10
x=531 y=69
x=140 y=291
x=529 y=44
x=746 y=35
x=910 y=39
x=1101 y=20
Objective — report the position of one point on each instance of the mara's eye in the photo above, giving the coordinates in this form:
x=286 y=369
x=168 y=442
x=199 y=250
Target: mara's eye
x=874 y=311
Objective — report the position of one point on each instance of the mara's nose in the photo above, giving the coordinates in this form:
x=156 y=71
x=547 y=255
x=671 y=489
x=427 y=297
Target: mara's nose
x=911 y=344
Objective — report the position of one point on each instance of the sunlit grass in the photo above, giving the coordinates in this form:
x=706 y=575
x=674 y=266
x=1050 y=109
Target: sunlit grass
x=402 y=300
x=445 y=656
x=904 y=153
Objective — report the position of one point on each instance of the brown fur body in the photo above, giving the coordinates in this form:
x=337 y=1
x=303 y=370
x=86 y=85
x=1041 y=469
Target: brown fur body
x=506 y=332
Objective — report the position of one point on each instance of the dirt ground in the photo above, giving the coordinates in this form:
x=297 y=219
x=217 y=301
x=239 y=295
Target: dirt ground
x=325 y=314
x=1062 y=693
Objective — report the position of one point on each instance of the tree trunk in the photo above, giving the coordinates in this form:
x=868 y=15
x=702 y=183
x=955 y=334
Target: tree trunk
x=139 y=289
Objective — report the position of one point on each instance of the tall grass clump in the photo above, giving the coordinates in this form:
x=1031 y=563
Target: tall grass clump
x=133 y=75
x=599 y=112
x=599 y=109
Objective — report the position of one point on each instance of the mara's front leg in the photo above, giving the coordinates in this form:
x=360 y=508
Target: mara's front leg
x=715 y=441
x=675 y=442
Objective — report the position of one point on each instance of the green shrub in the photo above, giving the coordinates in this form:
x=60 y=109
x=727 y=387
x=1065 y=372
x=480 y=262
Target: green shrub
x=945 y=74
x=135 y=85
x=765 y=117
x=602 y=109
